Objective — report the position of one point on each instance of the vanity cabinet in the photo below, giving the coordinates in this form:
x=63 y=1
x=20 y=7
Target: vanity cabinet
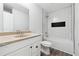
x=26 y=47
x=31 y=50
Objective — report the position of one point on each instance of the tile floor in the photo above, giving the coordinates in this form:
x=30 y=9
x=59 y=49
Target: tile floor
x=55 y=52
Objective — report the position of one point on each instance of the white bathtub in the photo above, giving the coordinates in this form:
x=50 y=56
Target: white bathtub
x=62 y=44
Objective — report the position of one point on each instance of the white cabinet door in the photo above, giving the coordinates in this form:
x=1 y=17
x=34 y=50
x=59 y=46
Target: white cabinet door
x=14 y=46
x=25 y=51
x=19 y=52
x=36 y=49
x=28 y=50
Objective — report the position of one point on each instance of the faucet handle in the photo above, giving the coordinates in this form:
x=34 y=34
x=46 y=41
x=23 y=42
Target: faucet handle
x=18 y=31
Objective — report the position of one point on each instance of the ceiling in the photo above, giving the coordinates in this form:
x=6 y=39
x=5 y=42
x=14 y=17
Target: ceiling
x=50 y=7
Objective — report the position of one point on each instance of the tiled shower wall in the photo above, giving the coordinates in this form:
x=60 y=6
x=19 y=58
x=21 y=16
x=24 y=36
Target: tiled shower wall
x=61 y=37
x=59 y=16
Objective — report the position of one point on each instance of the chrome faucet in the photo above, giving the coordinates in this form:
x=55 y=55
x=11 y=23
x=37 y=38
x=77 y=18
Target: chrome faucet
x=19 y=32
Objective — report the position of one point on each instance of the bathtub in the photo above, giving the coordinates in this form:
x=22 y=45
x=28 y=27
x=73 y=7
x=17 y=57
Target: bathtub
x=64 y=45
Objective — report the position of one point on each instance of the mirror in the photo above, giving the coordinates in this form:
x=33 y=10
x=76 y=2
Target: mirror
x=13 y=17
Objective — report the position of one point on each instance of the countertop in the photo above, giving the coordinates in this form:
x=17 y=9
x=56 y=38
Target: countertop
x=4 y=40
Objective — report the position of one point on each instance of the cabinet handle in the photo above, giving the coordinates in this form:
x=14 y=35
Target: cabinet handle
x=36 y=46
x=31 y=47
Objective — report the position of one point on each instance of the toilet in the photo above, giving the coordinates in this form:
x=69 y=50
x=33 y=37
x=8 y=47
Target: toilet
x=45 y=47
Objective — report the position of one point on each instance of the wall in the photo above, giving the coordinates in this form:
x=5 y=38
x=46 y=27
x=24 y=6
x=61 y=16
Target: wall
x=61 y=36
x=1 y=17
x=45 y=25
x=35 y=18
x=58 y=16
x=77 y=29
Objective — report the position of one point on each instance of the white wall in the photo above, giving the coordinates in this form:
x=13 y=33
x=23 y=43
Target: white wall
x=45 y=25
x=58 y=16
x=35 y=18
x=1 y=17
x=61 y=36
x=77 y=29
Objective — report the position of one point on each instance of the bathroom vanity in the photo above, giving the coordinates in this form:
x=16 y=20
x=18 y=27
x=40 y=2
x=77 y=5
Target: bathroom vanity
x=29 y=45
x=15 y=17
